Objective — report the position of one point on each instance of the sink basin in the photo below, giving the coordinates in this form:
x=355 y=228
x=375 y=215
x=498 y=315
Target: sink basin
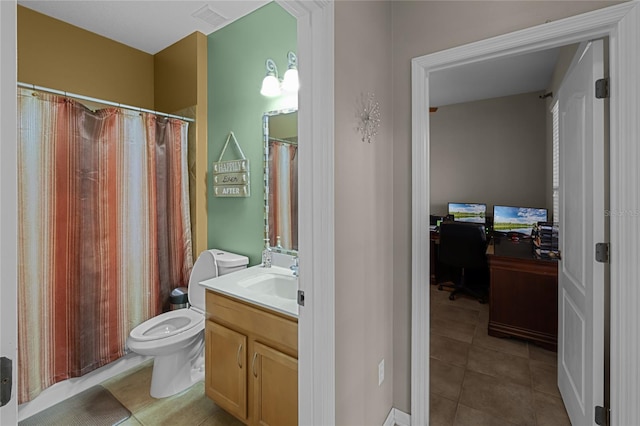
x=274 y=288
x=278 y=285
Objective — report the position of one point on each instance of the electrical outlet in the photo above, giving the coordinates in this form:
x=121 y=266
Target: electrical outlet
x=381 y=372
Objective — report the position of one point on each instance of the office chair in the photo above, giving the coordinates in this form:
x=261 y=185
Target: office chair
x=463 y=248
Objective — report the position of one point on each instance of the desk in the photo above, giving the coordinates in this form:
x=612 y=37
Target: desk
x=523 y=293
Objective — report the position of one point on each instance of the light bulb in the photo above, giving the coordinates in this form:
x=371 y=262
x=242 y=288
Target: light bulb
x=270 y=86
x=290 y=82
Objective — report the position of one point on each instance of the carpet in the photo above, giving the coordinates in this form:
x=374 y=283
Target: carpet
x=95 y=406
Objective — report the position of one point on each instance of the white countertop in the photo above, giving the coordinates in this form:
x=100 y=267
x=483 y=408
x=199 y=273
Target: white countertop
x=228 y=285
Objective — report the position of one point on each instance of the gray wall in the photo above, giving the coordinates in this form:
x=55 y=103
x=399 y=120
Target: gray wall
x=490 y=151
x=420 y=28
x=363 y=215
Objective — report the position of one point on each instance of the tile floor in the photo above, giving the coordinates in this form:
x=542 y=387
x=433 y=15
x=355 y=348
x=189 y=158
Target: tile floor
x=476 y=379
x=191 y=407
x=481 y=380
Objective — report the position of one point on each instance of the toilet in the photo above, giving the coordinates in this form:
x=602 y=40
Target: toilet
x=176 y=338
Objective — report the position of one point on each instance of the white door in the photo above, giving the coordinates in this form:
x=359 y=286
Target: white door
x=582 y=225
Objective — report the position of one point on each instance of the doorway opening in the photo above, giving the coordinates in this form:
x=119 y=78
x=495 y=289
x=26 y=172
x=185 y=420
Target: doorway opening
x=618 y=23
x=500 y=149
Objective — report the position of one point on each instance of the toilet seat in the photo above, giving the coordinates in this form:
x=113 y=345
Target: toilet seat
x=168 y=324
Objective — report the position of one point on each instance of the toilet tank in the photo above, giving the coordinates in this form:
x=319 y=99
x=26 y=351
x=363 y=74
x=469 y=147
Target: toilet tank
x=229 y=262
x=205 y=268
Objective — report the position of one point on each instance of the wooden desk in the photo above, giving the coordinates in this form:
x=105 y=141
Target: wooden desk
x=523 y=293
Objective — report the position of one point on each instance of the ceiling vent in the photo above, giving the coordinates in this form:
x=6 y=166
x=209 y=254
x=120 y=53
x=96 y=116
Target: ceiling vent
x=209 y=16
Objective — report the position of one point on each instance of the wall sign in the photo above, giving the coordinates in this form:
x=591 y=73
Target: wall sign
x=231 y=177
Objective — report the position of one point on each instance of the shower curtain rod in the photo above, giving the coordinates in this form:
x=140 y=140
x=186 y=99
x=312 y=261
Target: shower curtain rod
x=283 y=141
x=101 y=101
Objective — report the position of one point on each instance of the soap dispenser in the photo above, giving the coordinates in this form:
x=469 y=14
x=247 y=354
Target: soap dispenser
x=266 y=254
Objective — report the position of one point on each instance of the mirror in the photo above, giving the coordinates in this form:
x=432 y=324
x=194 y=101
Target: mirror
x=281 y=180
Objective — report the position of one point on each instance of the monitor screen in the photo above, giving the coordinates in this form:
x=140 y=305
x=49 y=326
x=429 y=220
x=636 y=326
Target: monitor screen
x=517 y=219
x=468 y=212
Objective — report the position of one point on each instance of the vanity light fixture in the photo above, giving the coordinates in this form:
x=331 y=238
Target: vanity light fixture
x=271 y=85
x=290 y=82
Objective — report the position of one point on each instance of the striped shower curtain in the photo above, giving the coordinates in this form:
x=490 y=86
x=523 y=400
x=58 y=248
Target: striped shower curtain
x=283 y=194
x=104 y=232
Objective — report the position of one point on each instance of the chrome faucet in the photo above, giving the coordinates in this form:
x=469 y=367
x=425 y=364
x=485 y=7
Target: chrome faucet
x=295 y=266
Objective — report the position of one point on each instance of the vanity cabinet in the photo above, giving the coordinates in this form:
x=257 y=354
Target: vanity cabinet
x=251 y=358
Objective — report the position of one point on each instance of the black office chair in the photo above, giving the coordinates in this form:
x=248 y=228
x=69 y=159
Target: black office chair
x=463 y=248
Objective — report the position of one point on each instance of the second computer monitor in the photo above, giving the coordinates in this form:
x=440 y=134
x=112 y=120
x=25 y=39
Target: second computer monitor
x=517 y=219
x=468 y=212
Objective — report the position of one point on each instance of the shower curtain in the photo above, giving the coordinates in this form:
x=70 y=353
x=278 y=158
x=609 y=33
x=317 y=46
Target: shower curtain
x=104 y=232
x=283 y=193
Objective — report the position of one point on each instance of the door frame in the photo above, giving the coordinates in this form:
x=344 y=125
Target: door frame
x=621 y=23
x=8 y=199
x=316 y=322
x=316 y=330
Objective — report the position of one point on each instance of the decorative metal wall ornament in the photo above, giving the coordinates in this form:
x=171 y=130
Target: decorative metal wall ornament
x=369 y=118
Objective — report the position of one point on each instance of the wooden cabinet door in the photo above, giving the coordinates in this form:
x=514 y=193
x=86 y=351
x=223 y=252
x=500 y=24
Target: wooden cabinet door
x=275 y=387
x=226 y=368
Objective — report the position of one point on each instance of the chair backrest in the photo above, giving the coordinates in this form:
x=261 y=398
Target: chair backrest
x=463 y=244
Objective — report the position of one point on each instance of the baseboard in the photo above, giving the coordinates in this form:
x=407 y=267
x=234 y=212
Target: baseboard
x=391 y=418
x=397 y=418
x=68 y=388
x=402 y=418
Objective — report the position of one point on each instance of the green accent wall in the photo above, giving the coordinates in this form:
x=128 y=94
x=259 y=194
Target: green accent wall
x=236 y=56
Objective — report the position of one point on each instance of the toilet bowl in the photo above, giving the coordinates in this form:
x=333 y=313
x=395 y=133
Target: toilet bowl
x=176 y=338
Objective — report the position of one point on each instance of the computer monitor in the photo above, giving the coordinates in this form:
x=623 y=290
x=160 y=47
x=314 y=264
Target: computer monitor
x=517 y=219
x=468 y=212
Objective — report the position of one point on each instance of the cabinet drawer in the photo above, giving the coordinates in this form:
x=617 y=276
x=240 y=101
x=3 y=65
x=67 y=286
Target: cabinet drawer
x=273 y=329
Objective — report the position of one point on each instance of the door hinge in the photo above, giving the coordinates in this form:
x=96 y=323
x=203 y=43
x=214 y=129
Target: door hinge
x=602 y=415
x=602 y=252
x=602 y=88
x=6 y=380
x=300 y=297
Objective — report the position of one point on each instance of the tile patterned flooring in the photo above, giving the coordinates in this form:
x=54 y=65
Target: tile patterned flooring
x=481 y=380
x=476 y=379
x=191 y=407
